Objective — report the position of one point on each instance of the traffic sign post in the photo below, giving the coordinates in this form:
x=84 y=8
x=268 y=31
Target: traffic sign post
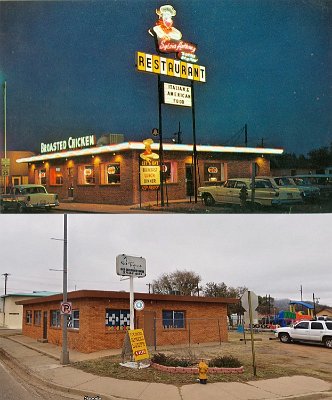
x=249 y=301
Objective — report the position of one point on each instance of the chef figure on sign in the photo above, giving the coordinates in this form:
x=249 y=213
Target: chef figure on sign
x=164 y=26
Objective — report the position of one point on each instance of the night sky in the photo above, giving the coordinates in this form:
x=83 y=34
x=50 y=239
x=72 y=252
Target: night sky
x=70 y=71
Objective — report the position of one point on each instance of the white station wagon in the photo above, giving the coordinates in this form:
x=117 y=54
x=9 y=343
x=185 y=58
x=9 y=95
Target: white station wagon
x=266 y=193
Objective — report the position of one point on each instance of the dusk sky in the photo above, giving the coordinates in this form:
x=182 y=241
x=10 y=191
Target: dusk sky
x=70 y=71
x=273 y=254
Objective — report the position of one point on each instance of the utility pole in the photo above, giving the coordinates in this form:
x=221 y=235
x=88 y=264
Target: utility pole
x=246 y=135
x=64 y=359
x=6 y=277
x=301 y=291
x=4 y=299
x=149 y=284
x=178 y=133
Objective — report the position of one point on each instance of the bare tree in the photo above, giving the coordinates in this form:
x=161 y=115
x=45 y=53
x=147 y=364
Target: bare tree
x=185 y=283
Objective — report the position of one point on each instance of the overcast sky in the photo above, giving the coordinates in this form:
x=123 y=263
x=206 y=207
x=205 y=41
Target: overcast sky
x=70 y=70
x=273 y=254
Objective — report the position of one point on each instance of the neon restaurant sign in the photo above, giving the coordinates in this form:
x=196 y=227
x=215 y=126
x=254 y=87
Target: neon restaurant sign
x=69 y=144
x=168 y=40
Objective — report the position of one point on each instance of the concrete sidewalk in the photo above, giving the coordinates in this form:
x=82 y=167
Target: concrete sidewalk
x=183 y=205
x=42 y=361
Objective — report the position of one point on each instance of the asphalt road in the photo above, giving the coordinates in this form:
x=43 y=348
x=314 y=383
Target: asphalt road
x=14 y=386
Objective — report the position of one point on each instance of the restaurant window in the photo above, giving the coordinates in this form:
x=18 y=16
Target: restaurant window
x=110 y=173
x=86 y=175
x=117 y=320
x=214 y=172
x=37 y=317
x=170 y=172
x=28 y=317
x=73 y=320
x=40 y=176
x=173 y=319
x=56 y=176
x=55 y=318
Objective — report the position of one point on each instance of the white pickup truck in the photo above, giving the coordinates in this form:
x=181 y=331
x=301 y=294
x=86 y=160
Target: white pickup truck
x=307 y=331
x=28 y=197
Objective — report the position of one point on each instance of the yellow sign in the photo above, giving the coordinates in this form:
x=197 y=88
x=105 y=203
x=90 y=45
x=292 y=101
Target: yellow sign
x=138 y=344
x=149 y=173
x=170 y=67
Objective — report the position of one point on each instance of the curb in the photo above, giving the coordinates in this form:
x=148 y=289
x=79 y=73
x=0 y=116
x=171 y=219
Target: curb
x=194 y=370
x=64 y=389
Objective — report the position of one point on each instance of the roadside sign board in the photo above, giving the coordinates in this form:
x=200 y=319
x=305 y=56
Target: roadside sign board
x=66 y=308
x=138 y=344
x=177 y=95
x=130 y=266
x=5 y=162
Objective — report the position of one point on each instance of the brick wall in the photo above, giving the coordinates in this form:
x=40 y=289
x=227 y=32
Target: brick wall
x=127 y=191
x=201 y=324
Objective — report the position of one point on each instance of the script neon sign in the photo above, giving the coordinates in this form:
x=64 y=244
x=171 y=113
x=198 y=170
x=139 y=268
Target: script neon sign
x=168 y=38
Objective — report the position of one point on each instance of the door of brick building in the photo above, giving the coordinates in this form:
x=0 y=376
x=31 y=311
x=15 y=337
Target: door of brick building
x=149 y=326
x=45 y=326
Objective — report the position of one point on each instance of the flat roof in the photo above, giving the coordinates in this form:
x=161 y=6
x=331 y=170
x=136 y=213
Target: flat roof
x=155 y=146
x=100 y=294
x=33 y=294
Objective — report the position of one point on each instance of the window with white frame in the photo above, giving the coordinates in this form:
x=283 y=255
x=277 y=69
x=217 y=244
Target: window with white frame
x=86 y=175
x=28 y=317
x=214 y=172
x=173 y=319
x=55 y=318
x=170 y=172
x=37 y=317
x=118 y=320
x=56 y=176
x=109 y=173
x=40 y=176
x=73 y=320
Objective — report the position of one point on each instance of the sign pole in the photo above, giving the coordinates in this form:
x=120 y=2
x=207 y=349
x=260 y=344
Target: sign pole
x=131 y=300
x=64 y=358
x=194 y=140
x=5 y=128
x=161 y=150
x=252 y=333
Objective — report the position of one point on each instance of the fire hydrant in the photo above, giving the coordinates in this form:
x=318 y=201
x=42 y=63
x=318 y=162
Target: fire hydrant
x=202 y=372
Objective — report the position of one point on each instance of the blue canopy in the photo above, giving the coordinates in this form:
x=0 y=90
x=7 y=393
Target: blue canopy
x=302 y=303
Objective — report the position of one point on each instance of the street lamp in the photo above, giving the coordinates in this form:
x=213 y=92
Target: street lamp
x=64 y=358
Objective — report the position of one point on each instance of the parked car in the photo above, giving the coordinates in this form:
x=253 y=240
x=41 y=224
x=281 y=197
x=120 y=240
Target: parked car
x=321 y=181
x=307 y=331
x=308 y=191
x=28 y=197
x=229 y=193
x=289 y=195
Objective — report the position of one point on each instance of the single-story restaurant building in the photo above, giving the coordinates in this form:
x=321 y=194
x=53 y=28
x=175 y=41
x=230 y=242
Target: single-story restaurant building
x=100 y=319
x=112 y=173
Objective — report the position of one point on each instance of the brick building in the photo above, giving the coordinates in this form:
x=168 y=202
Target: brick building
x=99 y=319
x=18 y=173
x=109 y=173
